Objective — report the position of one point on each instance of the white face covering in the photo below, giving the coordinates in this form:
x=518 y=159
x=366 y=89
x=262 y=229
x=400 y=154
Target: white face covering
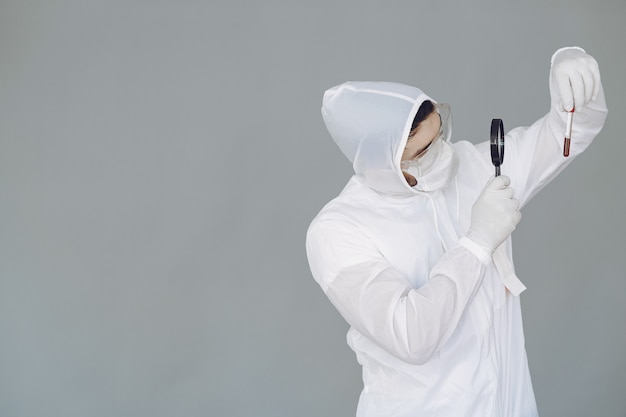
x=435 y=168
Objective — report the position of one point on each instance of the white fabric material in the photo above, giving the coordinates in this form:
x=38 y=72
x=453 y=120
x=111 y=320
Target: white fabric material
x=435 y=330
x=479 y=251
x=507 y=273
x=435 y=169
x=494 y=217
x=494 y=214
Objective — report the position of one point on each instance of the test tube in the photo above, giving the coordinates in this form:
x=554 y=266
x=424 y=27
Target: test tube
x=568 y=133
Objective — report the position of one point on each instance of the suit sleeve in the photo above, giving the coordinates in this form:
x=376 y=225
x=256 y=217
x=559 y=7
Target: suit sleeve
x=378 y=301
x=534 y=155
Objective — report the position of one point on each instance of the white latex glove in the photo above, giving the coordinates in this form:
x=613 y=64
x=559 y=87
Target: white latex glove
x=576 y=76
x=494 y=214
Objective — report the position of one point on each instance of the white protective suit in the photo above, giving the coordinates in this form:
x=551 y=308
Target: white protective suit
x=432 y=324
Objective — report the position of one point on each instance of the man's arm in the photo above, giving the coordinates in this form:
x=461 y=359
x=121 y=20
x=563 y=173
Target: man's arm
x=534 y=155
x=377 y=300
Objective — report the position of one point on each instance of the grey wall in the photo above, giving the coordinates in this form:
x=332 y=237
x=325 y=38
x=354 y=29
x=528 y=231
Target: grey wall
x=160 y=162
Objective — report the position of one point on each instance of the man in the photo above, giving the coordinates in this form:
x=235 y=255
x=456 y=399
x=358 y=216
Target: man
x=415 y=253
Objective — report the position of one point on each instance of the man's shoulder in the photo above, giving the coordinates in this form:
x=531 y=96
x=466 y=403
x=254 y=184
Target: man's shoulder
x=348 y=208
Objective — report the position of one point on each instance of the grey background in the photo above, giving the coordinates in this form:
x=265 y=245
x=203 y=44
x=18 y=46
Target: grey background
x=160 y=162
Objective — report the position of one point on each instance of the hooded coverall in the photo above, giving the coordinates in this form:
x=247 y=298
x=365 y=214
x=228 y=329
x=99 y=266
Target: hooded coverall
x=433 y=326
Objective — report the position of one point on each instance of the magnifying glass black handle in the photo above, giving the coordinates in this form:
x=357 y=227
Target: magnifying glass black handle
x=497 y=144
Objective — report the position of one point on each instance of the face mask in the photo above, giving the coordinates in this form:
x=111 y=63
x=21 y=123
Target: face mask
x=435 y=168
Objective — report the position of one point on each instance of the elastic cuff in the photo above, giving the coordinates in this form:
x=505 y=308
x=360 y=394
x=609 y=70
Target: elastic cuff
x=478 y=250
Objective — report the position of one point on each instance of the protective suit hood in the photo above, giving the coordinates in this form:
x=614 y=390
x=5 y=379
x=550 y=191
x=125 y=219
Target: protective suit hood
x=370 y=122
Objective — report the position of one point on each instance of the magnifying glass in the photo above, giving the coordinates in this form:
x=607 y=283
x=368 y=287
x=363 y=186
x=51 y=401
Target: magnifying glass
x=497 y=144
